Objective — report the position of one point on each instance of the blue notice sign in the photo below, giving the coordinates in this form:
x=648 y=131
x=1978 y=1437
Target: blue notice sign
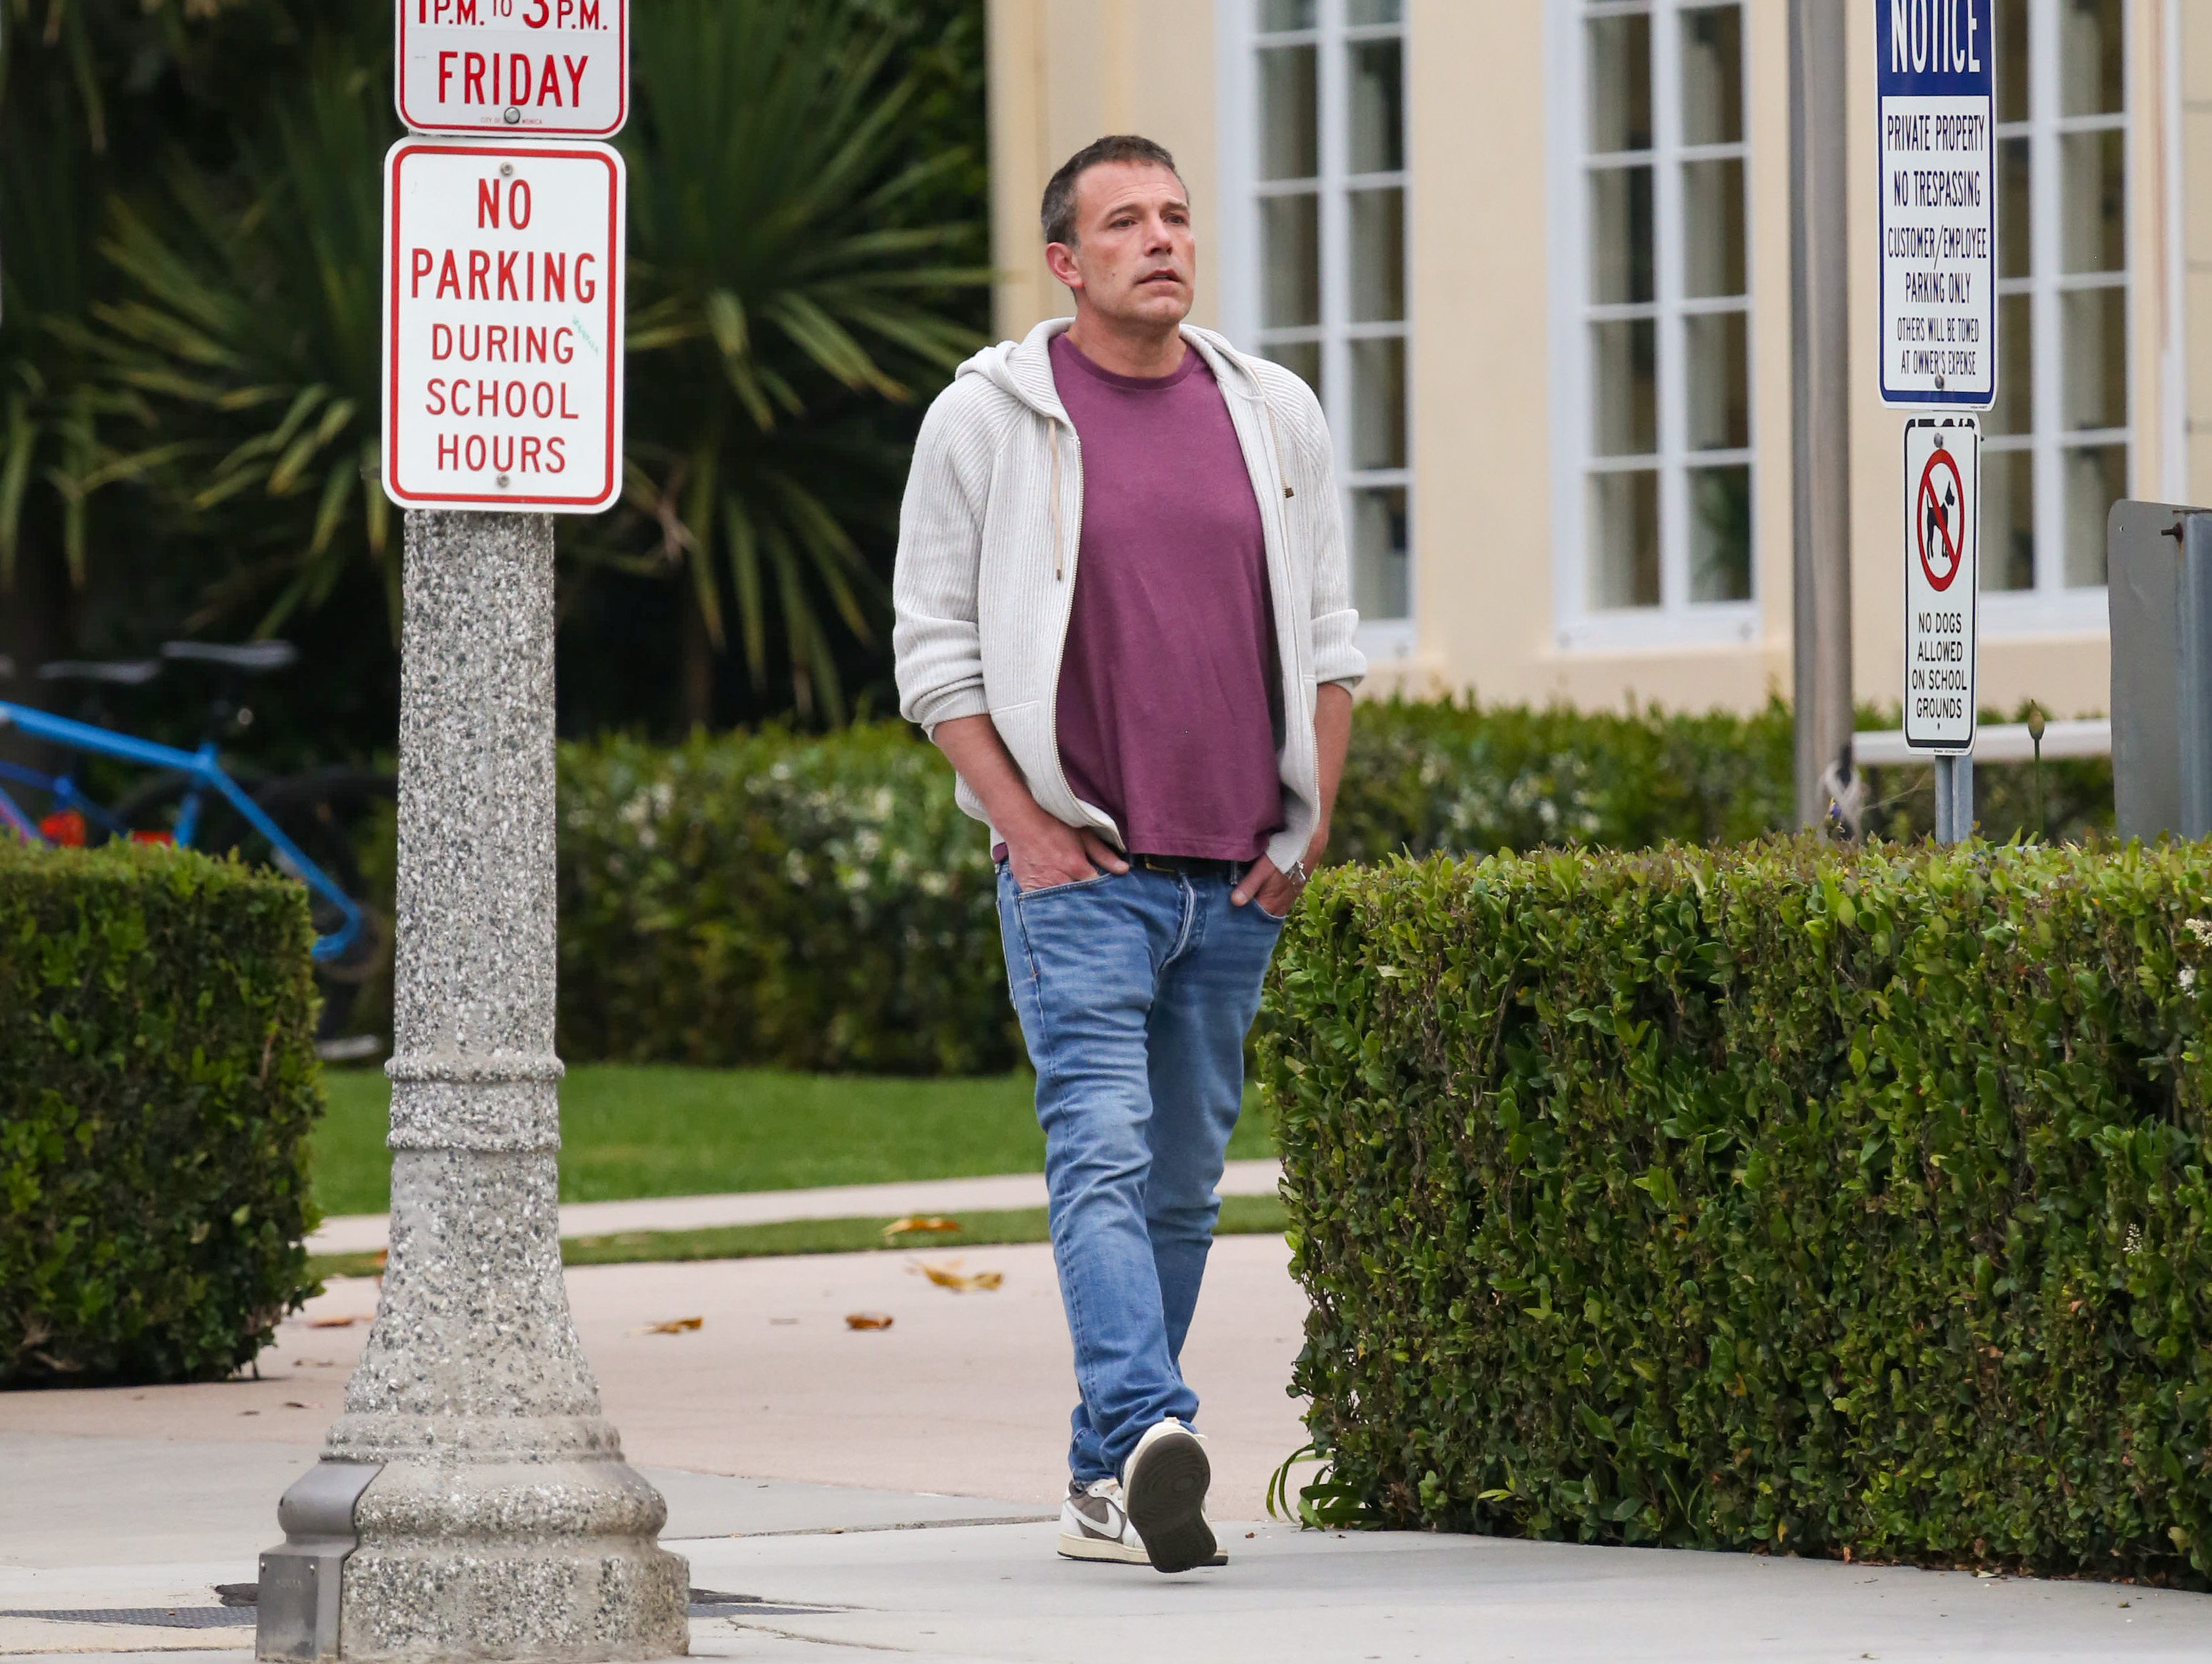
x=1934 y=83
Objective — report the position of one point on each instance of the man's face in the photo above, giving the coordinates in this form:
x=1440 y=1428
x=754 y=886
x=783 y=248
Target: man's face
x=1134 y=259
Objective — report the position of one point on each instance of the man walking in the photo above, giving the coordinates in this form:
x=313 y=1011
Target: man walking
x=1123 y=616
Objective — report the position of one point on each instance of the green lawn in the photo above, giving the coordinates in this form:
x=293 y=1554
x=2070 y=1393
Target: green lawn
x=1241 y=1216
x=630 y=1131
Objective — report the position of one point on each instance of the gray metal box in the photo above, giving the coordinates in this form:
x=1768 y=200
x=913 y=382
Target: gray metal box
x=2159 y=559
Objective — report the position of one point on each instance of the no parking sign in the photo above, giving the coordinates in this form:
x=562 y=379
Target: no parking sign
x=1943 y=498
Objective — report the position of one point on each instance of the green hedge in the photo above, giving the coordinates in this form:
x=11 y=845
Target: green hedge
x=1458 y=778
x=157 y=1083
x=770 y=898
x=815 y=902
x=1783 y=1197
x=1452 y=775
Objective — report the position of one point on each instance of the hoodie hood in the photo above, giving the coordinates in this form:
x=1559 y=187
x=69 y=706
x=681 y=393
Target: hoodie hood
x=1024 y=368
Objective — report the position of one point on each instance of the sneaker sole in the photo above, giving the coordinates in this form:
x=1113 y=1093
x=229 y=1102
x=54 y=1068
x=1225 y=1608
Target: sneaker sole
x=1100 y=1553
x=1167 y=1504
x=1073 y=1547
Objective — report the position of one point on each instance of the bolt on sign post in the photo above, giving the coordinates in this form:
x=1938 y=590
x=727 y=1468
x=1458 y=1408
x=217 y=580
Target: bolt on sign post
x=537 y=68
x=1935 y=83
x=471 y=1502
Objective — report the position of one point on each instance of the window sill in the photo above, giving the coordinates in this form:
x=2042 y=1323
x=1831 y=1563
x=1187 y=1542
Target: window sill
x=1717 y=624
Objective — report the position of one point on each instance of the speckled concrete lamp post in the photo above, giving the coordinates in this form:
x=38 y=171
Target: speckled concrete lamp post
x=471 y=1502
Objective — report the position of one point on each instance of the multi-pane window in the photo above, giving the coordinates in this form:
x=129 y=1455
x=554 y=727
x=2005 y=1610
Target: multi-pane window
x=1329 y=181
x=2056 y=455
x=1659 y=514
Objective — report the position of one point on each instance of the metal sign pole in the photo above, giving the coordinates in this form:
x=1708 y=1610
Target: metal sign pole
x=1954 y=799
x=1819 y=359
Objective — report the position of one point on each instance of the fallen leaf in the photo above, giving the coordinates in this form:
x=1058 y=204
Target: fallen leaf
x=295 y=1404
x=673 y=1326
x=780 y=1320
x=950 y=1276
x=868 y=1319
x=918 y=1222
x=338 y=1322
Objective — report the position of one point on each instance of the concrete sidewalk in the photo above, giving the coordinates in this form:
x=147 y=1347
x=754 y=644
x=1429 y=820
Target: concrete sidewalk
x=122 y=1542
x=966 y=1394
x=365 y=1233
x=848 y=1481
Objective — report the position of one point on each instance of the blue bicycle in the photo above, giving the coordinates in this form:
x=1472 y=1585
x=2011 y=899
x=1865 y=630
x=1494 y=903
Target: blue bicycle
x=192 y=800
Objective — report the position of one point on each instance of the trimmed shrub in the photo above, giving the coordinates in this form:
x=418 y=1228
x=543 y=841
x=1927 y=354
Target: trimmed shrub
x=815 y=902
x=1454 y=777
x=1784 y=1197
x=157 y=1083
x=770 y=898
x=1451 y=775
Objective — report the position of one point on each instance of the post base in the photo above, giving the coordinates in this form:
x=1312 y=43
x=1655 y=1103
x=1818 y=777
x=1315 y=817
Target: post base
x=520 y=1560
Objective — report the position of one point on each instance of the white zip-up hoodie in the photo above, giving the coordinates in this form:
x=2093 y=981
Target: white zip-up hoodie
x=985 y=574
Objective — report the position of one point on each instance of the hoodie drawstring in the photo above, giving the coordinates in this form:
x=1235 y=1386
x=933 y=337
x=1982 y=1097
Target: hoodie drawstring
x=1059 y=571
x=1275 y=444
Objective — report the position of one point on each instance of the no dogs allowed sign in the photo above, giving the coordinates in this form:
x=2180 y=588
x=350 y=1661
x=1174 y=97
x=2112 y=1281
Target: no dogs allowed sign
x=503 y=325
x=1943 y=498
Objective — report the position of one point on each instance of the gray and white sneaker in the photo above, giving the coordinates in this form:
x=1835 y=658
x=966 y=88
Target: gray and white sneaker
x=1167 y=1475
x=1094 y=1524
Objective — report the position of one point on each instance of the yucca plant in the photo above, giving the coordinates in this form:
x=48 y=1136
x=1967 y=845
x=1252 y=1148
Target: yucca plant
x=798 y=268
x=782 y=293
x=251 y=328
x=80 y=80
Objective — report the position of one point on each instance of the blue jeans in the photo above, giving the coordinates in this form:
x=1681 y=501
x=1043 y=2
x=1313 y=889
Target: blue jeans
x=1135 y=993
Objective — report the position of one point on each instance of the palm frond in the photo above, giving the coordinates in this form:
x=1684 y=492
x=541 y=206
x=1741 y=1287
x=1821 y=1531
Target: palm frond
x=772 y=281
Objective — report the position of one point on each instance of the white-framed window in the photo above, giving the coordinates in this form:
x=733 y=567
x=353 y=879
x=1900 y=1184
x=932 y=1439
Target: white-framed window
x=1655 y=476
x=1313 y=150
x=2058 y=450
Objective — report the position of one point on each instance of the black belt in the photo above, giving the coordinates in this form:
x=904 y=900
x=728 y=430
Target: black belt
x=1191 y=866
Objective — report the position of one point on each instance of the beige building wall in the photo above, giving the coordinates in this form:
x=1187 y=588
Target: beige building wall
x=1481 y=294
x=1065 y=72
x=2193 y=187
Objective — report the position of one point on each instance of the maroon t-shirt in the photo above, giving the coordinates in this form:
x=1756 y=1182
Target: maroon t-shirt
x=1171 y=700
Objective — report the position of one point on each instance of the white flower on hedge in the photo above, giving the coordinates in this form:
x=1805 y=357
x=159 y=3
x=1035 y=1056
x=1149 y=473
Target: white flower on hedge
x=2201 y=929
x=2187 y=977
x=645 y=807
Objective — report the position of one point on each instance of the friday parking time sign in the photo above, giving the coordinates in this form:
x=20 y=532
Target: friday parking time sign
x=1935 y=79
x=536 y=68
x=503 y=325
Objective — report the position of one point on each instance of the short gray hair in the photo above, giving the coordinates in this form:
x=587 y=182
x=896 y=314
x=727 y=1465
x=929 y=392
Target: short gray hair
x=1058 y=214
